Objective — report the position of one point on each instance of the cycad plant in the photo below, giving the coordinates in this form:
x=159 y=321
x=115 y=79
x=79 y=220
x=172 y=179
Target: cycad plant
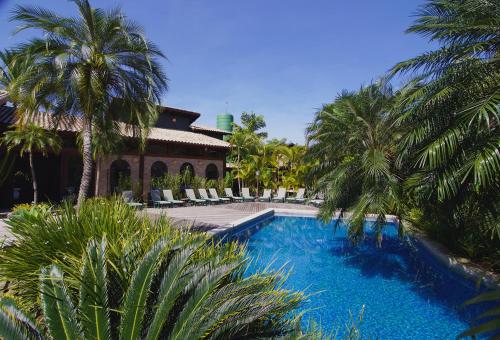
x=97 y=65
x=175 y=292
x=28 y=138
x=354 y=140
x=102 y=272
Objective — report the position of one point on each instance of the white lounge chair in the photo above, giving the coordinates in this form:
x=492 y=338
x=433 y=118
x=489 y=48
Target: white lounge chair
x=204 y=196
x=317 y=202
x=266 y=196
x=214 y=194
x=156 y=199
x=169 y=196
x=229 y=193
x=192 y=197
x=281 y=196
x=128 y=197
x=299 y=197
x=245 y=192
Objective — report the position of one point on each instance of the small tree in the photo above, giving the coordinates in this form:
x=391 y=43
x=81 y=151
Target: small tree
x=31 y=138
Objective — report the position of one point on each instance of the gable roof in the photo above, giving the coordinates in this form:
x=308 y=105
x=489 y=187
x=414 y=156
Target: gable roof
x=191 y=115
x=74 y=125
x=209 y=129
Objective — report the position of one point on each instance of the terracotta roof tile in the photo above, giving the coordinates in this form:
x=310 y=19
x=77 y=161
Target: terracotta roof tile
x=74 y=124
x=209 y=128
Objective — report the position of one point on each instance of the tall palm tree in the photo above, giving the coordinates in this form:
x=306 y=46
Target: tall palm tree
x=30 y=138
x=253 y=122
x=451 y=109
x=97 y=66
x=354 y=140
x=241 y=142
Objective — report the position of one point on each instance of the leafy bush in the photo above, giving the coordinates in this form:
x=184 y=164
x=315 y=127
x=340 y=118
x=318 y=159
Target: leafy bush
x=44 y=238
x=179 y=288
x=168 y=181
x=118 y=275
x=39 y=208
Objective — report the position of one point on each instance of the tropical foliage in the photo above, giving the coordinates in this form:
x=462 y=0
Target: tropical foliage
x=264 y=164
x=98 y=66
x=28 y=138
x=100 y=272
x=356 y=141
x=429 y=153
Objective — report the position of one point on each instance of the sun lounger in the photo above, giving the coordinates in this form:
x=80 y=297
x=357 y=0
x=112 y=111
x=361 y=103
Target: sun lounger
x=266 y=196
x=245 y=192
x=214 y=194
x=317 y=202
x=128 y=197
x=281 y=196
x=192 y=197
x=167 y=194
x=156 y=199
x=299 y=197
x=229 y=193
x=204 y=196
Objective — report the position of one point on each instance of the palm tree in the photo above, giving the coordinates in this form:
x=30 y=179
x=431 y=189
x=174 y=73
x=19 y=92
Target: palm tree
x=30 y=138
x=451 y=111
x=252 y=123
x=98 y=66
x=354 y=140
x=241 y=142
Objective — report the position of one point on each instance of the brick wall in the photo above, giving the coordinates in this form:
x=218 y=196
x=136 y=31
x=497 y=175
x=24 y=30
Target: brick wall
x=173 y=166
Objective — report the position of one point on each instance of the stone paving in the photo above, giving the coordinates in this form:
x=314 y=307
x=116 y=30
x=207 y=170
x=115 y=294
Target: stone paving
x=215 y=216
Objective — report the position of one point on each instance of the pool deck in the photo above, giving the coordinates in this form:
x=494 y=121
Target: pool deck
x=224 y=216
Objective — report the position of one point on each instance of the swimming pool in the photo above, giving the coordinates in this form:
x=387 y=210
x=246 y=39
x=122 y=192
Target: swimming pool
x=405 y=293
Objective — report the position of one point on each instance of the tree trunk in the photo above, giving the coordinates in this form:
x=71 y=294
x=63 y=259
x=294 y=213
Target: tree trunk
x=33 y=179
x=87 y=161
x=239 y=174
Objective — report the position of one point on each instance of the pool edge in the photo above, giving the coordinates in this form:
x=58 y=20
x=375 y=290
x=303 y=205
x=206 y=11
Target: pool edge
x=468 y=270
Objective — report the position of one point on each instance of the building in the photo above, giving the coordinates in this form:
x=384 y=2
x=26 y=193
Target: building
x=173 y=144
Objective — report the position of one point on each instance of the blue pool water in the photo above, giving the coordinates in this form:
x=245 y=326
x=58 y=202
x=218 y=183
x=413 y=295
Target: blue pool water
x=405 y=293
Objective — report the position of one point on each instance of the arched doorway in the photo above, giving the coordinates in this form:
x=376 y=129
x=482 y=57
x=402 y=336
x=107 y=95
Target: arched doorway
x=119 y=176
x=158 y=169
x=211 y=172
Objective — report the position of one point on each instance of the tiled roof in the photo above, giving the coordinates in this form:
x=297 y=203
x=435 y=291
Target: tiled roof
x=209 y=128
x=74 y=124
x=179 y=136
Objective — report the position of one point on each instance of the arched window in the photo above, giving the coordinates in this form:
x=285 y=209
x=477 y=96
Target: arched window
x=187 y=174
x=211 y=172
x=158 y=169
x=119 y=176
x=187 y=169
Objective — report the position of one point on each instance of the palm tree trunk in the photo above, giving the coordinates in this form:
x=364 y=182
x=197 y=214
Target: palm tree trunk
x=239 y=174
x=87 y=161
x=33 y=179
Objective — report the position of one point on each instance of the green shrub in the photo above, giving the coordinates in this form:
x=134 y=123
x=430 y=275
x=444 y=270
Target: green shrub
x=116 y=273
x=39 y=208
x=179 y=288
x=44 y=238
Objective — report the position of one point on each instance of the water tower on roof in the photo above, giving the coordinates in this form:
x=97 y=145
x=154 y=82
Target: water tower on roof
x=225 y=122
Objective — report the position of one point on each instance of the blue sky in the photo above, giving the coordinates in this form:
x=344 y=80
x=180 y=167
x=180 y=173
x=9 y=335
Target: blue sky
x=282 y=59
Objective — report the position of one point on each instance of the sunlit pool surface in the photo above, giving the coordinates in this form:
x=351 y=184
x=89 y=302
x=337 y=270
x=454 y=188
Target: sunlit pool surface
x=405 y=293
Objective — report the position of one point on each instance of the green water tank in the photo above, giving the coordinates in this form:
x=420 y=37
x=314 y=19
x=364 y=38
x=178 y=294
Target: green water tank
x=225 y=122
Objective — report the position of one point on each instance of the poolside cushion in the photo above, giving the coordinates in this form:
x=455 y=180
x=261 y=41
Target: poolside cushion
x=167 y=193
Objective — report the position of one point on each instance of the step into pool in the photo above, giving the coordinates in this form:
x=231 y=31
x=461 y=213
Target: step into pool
x=403 y=292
